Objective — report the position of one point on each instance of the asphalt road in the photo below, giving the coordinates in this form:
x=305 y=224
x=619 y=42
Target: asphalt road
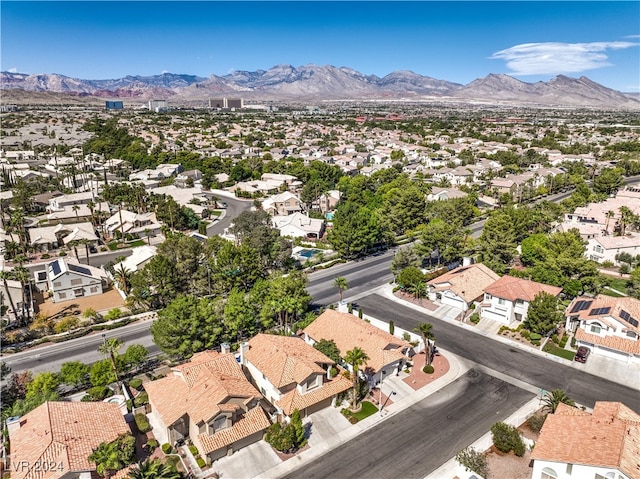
x=84 y=349
x=516 y=363
x=234 y=208
x=416 y=441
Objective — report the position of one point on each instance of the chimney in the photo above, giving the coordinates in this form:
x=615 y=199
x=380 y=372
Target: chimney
x=225 y=348
x=13 y=424
x=244 y=349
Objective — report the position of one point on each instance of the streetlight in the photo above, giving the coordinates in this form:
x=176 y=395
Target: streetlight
x=393 y=393
x=382 y=373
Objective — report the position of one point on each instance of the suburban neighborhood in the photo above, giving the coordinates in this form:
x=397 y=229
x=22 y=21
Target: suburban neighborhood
x=252 y=293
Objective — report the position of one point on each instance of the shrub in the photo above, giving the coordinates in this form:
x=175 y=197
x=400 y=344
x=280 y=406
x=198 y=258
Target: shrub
x=535 y=342
x=142 y=422
x=392 y=327
x=135 y=383
x=428 y=369
x=525 y=333
x=507 y=438
x=62 y=253
x=555 y=339
x=535 y=337
x=360 y=313
x=474 y=461
x=141 y=399
x=406 y=336
x=536 y=421
x=66 y=324
x=166 y=448
x=474 y=318
x=172 y=462
x=193 y=450
x=350 y=308
x=45 y=256
x=114 y=313
x=151 y=445
x=97 y=393
x=201 y=462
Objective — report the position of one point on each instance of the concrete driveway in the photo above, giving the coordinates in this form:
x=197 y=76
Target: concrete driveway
x=326 y=425
x=249 y=461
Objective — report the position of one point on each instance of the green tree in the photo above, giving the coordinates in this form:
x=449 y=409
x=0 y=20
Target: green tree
x=329 y=349
x=135 y=356
x=342 y=284
x=110 y=457
x=188 y=325
x=405 y=257
x=239 y=316
x=75 y=373
x=122 y=275
x=507 y=438
x=474 y=461
x=356 y=357
x=43 y=386
x=355 y=229
x=608 y=180
x=552 y=400
x=411 y=279
x=543 y=314
x=425 y=331
x=498 y=243
x=102 y=373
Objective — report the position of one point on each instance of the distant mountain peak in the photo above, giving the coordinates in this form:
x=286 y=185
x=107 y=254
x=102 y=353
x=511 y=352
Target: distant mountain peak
x=316 y=83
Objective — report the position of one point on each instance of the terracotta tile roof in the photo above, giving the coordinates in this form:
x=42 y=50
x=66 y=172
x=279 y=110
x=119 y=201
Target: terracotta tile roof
x=610 y=437
x=512 y=289
x=203 y=388
x=618 y=343
x=64 y=434
x=294 y=400
x=348 y=332
x=467 y=282
x=252 y=422
x=285 y=360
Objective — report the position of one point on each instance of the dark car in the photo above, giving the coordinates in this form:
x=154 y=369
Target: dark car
x=582 y=354
x=93 y=249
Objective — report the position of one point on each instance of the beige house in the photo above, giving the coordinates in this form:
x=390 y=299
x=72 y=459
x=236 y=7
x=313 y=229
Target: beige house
x=291 y=374
x=462 y=286
x=210 y=401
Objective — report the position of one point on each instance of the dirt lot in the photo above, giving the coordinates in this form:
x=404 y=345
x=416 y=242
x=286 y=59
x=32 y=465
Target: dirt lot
x=74 y=307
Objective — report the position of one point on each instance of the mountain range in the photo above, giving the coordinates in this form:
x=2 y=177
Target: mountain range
x=317 y=83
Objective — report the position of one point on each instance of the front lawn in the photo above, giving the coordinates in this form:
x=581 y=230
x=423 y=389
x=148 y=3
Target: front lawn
x=215 y=213
x=367 y=410
x=551 y=348
x=116 y=245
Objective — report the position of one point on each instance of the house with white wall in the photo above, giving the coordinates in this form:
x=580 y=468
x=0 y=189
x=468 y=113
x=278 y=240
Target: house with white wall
x=291 y=374
x=607 y=325
x=68 y=280
x=573 y=443
x=507 y=300
x=606 y=248
x=299 y=225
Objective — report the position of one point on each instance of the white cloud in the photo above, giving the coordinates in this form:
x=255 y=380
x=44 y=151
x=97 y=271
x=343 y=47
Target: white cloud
x=555 y=58
x=13 y=70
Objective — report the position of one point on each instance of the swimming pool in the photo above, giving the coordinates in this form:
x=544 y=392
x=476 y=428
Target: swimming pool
x=308 y=253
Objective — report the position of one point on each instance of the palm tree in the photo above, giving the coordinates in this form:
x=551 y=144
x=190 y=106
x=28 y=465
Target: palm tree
x=123 y=277
x=75 y=208
x=22 y=274
x=342 y=284
x=153 y=469
x=356 y=358
x=5 y=275
x=110 y=348
x=86 y=242
x=552 y=399
x=424 y=329
x=610 y=214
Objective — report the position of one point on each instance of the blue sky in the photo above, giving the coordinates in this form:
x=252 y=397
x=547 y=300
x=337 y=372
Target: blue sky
x=454 y=41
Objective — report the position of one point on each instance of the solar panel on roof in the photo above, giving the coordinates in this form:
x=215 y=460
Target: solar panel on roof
x=576 y=307
x=55 y=267
x=79 y=269
x=585 y=305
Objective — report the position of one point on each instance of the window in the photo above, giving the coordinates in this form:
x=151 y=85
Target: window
x=42 y=275
x=569 y=469
x=219 y=423
x=57 y=284
x=94 y=289
x=597 y=248
x=631 y=334
x=520 y=301
x=548 y=473
x=501 y=301
x=62 y=295
x=487 y=296
x=78 y=292
x=76 y=282
x=596 y=328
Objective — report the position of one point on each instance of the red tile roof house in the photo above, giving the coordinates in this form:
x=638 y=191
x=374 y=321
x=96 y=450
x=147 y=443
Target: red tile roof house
x=608 y=326
x=387 y=353
x=604 y=444
x=507 y=300
x=291 y=374
x=209 y=401
x=462 y=286
x=56 y=439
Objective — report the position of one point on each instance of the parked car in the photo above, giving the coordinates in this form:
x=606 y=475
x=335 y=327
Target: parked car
x=582 y=354
x=93 y=249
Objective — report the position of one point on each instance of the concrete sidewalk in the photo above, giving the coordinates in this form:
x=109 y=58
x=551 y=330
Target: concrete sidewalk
x=627 y=374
